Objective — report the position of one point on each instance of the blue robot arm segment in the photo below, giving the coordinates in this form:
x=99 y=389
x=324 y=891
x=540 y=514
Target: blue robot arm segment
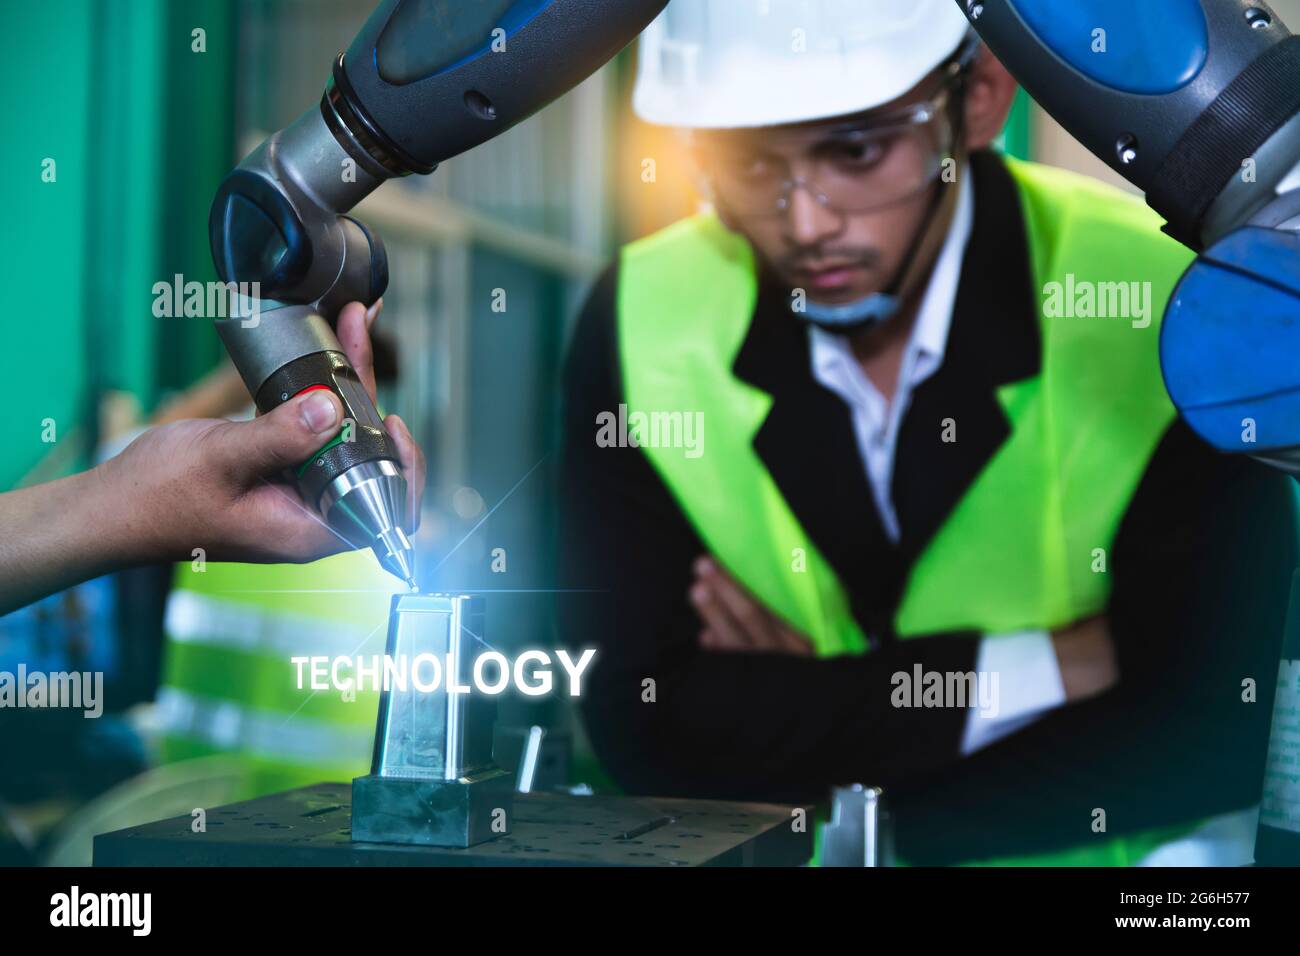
x=1173 y=94
x=1230 y=342
x=430 y=79
x=1197 y=103
x=1108 y=41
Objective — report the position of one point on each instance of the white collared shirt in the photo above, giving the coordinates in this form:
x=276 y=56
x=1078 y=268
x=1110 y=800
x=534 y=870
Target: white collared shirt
x=1028 y=675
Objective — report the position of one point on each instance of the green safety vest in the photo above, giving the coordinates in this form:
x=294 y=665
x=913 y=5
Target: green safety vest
x=1021 y=549
x=229 y=686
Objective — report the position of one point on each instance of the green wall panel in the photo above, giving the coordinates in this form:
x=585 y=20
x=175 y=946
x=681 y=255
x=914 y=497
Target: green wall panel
x=139 y=126
x=46 y=51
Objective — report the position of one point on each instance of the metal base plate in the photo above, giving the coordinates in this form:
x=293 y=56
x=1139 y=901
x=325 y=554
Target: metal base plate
x=312 y=827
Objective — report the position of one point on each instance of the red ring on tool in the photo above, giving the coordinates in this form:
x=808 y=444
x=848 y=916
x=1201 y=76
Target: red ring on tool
x=312 y=388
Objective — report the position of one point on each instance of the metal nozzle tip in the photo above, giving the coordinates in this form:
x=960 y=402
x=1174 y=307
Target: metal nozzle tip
x=361 y=504
x=400 y=564
x=415 y=588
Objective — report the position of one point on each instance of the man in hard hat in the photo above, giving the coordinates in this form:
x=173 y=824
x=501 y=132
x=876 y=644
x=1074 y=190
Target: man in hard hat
x=869 y=502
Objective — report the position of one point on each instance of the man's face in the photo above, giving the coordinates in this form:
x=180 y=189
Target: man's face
x=875 y=173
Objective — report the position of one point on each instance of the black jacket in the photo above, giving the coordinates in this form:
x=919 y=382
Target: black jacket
x=1200 y=570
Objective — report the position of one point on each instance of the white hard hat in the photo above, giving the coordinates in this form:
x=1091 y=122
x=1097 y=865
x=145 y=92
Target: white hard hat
x=720 y=64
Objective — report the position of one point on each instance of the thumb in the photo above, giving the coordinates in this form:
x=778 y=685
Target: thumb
x=289 y=434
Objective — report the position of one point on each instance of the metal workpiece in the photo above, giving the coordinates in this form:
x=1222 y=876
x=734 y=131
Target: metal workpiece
x=435 y=735
x=432 y=780
x=860 y=831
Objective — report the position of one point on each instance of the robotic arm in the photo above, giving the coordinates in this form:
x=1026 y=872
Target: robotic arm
x=1197 y=103
x=425 y=80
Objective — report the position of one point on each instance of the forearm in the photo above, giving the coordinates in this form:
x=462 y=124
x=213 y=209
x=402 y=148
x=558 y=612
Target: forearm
x=58 y=534
x=197 y=483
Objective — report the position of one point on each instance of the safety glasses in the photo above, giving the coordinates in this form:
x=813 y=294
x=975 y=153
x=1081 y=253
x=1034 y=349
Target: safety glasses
x=849 y=169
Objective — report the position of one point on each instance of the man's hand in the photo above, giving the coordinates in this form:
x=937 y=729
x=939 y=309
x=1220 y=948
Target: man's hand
x=210 y=484
x=1085 y=652
x=734 y=620
x=220 y=485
